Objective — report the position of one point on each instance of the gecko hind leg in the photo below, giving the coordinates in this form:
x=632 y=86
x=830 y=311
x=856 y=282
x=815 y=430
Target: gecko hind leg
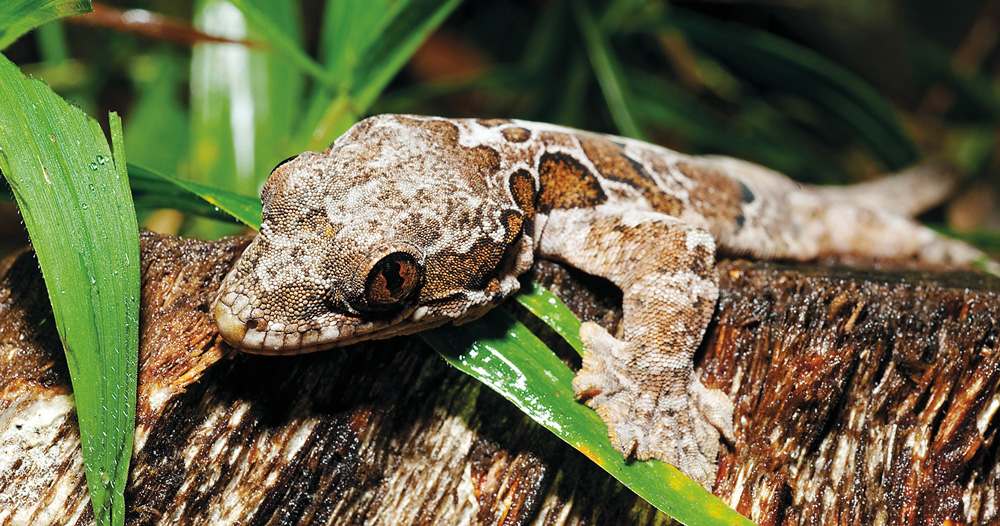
x=643 y=385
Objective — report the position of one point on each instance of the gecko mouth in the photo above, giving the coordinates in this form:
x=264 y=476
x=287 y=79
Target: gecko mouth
x=256 y=335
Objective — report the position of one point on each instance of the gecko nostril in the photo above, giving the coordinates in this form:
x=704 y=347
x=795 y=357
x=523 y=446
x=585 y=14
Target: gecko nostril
x=258 y=324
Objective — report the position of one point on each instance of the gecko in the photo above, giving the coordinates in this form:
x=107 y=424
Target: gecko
x=408 y=222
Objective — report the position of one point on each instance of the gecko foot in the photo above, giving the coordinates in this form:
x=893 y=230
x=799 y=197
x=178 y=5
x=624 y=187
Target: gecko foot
x=670 y=417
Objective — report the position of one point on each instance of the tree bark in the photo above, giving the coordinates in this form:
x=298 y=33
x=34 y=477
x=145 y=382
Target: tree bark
x=861 y=398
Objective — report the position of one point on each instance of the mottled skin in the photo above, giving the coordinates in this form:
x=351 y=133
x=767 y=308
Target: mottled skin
x=407 y=223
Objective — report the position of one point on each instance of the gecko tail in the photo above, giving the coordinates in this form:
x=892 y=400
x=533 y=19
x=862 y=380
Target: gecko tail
x=907 y=193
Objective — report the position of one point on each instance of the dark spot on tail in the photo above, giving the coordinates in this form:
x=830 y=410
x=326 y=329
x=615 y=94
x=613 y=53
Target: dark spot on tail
x=610 y=160
x=715 y=196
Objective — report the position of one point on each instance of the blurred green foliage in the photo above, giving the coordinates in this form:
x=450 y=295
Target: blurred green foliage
x=823 y=91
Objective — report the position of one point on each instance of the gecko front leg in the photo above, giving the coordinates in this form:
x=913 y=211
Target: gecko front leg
x=643 y=385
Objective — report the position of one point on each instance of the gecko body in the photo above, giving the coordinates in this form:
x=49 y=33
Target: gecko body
x=407 y=223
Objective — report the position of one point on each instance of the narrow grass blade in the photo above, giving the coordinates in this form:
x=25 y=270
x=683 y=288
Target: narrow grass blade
x=282 y=43
x=757 y=132
x=384 y=57
x=349 y=27
x=17 y=17
x=154 y=189
x=51 y=39
x=74 y=197
x=503 y=354
x=547 y=307
x=607 y=71
x=158 y=124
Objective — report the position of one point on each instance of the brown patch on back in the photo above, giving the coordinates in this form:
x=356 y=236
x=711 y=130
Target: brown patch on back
x=715 y=196
x=566 y=183
x=611 y=161
x=516 y=134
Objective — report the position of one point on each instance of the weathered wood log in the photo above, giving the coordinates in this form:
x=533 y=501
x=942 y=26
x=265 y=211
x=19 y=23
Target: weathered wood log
x=862 y=398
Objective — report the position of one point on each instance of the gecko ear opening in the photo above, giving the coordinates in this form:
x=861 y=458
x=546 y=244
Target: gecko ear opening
x=392 y=281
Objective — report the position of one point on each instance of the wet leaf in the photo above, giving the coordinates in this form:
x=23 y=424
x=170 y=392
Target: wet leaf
x=17 y=17
x=504 y=355
x=547 y=307
x=73 y=194
x=155 y=190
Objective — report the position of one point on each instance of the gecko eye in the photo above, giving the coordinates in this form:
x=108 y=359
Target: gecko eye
x=392 y=280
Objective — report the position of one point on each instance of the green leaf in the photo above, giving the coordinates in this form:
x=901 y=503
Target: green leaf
x=384 y=57
x=73 y=194
x=52 y=43
x=286 y=45
x=547 y=307
x=607 y=71
x=757 y=133
x=17 y=17
x=503 y=354
x=349 y=27
x=156 y=190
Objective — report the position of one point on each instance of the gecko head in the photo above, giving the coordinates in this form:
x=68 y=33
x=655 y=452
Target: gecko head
x=390 y=231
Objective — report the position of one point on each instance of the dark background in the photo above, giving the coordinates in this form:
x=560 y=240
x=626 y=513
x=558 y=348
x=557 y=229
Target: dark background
x=828 y=91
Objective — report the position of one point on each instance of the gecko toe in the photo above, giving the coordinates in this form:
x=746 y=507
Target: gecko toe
x=679 y=424
x=715 y=406
x=630 y=453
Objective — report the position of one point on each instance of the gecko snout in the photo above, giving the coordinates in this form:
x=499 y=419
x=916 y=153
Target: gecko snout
x=246 y=328
x=231 y=328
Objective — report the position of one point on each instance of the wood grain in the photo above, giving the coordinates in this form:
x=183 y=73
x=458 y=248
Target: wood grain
x=862 y=397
